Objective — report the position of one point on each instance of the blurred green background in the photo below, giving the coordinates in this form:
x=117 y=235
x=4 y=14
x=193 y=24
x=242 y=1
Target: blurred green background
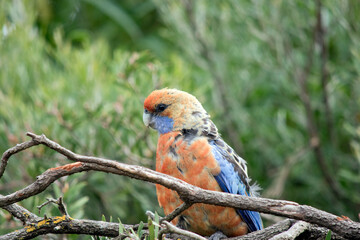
x=281 y=80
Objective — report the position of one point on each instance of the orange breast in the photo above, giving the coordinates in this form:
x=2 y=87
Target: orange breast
x=193 y=162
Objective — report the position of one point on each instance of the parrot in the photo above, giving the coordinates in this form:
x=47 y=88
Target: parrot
x=190 y=148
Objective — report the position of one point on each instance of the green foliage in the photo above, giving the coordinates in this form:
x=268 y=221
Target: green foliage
x=139 y=232
x=78 y=71
x=253 y=53
x=130 y=233
x=87 y=98
x=328 y=236
x=153 y=226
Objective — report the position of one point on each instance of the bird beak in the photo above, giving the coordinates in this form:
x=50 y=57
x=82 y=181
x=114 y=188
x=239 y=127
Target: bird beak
x=148 y=119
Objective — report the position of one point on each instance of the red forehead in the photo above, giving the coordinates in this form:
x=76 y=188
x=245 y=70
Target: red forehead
x=168 y=96
x=155 y=98
x=150 y=101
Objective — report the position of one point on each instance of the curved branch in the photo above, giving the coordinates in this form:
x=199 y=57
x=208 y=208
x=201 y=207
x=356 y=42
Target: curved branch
x=169 y=228
x=268 y=232
x=11 y=151
x=188 y=193
x=286 y=226
x=298 y=228
x=21 y=213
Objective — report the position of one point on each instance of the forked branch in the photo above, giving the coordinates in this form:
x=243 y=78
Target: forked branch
x=189 y=194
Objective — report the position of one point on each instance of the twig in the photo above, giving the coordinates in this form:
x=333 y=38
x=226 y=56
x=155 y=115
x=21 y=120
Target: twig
x=188 y=193
x=169 y=228
x=296 y=229
x=11 y=151
x=176 y=212
x=268 y=232
x=313 y=232
x=58 y=202
x=151 y=215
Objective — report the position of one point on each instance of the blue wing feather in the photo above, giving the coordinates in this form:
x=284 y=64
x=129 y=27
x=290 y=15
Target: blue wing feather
x=230 y=181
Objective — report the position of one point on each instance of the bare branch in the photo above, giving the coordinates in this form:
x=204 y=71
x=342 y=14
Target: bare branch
x=63 y=224
x=176 y=212
x=313 y=232
x=295 y=230
x=267 y=232
x=169 y=228
x=21 y=213
x=188 y=193
x=18 y=148
x=58 y=202
x=43 y=181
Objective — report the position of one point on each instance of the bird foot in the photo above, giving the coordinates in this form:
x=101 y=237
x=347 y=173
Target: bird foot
x=217 y=236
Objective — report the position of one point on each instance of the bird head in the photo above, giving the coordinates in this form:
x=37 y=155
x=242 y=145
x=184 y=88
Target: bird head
x=169 y=110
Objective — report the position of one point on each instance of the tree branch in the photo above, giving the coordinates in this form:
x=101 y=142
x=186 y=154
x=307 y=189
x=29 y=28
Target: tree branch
x=36 y=226
x=21 y=213
x=176 y=212
x=64 y=225
x=293 y=232
x=18 y=148
x=284 y=226
x=188 y=193
x=268 y=232
x=169 y=228
x=58 y=202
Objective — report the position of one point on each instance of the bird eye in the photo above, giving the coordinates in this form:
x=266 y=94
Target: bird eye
x=161 y=107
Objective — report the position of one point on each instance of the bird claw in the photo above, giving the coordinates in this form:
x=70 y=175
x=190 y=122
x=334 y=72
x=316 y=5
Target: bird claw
x=217 y=236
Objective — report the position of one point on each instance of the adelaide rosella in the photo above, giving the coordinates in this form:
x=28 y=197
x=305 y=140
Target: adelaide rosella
x=191 y=149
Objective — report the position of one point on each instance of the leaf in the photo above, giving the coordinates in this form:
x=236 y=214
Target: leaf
x=156 y=232
x=328 y=235
x=151 y=229
x=139 y=231
x=121 y=227
x=134 y=234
